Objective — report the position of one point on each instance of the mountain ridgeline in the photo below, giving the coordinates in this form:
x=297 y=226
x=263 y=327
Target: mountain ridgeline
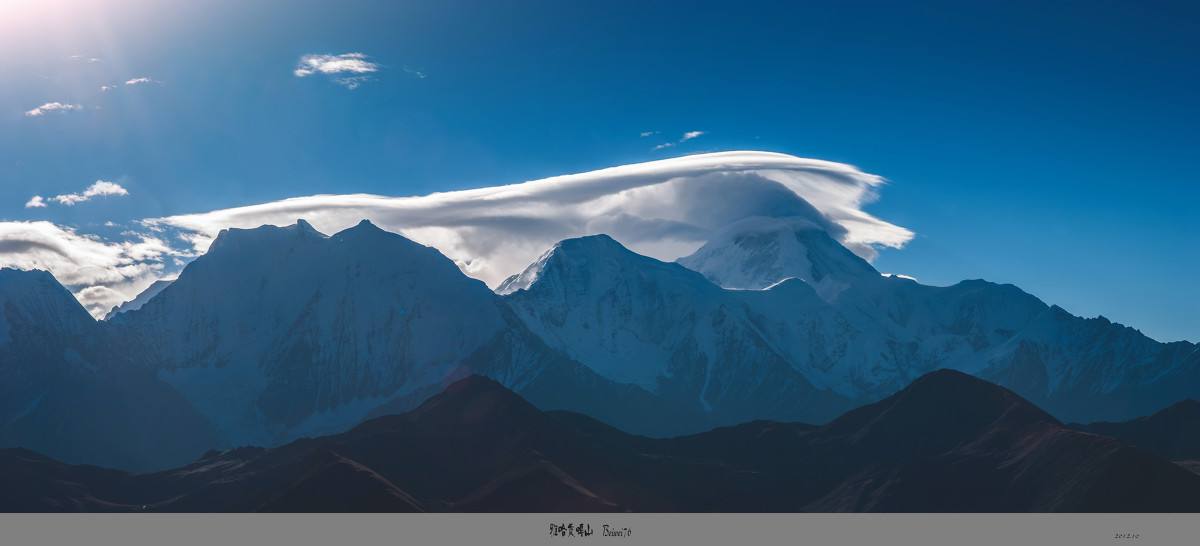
x=279 y=333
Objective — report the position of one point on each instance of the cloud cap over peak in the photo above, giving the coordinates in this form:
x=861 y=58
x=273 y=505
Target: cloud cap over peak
x=665 y=209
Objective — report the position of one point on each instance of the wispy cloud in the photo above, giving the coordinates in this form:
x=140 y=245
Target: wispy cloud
x=35 y=202
x=352 y=82
x=100 y=188
x=645 y=134
x=355 y=65
x=52 y=107
x=683 y=138
x=84 y=59
x=141 y=80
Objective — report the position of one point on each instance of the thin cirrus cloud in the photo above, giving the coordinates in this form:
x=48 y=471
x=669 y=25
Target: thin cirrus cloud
x=51 y=107
x=683 y=138
x=141 y=80
x=347 y=69
x=665 y=209
x=100 y=188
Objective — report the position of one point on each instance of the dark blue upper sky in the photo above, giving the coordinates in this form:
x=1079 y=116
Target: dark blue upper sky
x=1052 y=145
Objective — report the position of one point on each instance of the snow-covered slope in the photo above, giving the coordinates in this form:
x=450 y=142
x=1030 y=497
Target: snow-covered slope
x=278 y=332
x=138 y=301
x=634 y=319
x=281 y=332
x=631 y=318
x=1081 y=369
x=758 y=252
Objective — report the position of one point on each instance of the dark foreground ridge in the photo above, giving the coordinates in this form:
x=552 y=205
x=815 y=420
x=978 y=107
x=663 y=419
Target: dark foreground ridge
x=1173 y=433
x=947 y=443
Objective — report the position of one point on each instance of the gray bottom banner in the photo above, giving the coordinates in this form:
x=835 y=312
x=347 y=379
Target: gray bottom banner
x=591 y=529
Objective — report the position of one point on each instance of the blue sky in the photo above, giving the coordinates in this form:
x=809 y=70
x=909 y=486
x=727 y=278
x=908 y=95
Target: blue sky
x=1049 y=145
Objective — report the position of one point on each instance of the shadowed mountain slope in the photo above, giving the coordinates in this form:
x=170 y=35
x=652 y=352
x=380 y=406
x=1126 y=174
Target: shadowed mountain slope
x=946 y=443
x=1173 y=433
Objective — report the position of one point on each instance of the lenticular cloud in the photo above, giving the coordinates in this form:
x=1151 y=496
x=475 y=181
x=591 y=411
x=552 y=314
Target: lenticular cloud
x=665 y=209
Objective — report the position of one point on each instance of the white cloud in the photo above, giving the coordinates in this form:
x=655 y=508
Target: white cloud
x=100 y=188
x=35 y=202
x=354 y=65
x=683 y=138
x=664 y=209
x=52 y=107
x=143 y=80
x=645 y=134
x=335 y=64
x=101 y=273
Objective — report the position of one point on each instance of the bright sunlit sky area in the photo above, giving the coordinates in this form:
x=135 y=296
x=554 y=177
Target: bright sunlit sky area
x=1051 y=145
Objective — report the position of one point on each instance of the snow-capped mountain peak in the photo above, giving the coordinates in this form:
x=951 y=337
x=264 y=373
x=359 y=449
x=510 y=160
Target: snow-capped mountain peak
x=279 y=331
x=596 y=257
x=35 y=298
x=756 y=253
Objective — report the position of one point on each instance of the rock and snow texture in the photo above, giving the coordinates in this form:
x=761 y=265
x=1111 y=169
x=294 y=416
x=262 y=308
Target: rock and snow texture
x=658 y=325
x=836 y=325
x=281 y=332
x=758 y=252
x=278 y=332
